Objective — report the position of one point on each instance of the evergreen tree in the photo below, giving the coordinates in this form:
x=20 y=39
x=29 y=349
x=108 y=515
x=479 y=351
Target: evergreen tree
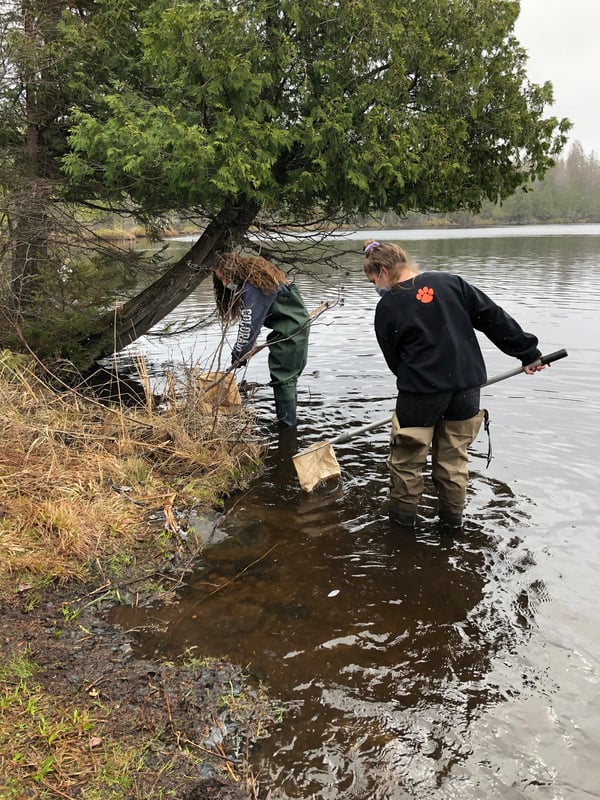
x=320 y=109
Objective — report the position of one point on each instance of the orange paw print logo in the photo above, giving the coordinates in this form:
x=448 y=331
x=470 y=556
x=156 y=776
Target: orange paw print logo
x=425 y=295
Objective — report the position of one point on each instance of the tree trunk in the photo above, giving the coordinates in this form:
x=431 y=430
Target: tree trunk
x=117 y=329
x=30 y=224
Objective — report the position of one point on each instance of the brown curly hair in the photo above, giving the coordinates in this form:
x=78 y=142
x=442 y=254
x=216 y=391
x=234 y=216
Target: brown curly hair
x=239 y=269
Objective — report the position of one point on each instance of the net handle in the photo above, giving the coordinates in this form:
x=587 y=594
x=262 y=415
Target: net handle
x=542 y=360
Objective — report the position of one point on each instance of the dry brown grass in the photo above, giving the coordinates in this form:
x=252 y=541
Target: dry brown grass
x=78 y=480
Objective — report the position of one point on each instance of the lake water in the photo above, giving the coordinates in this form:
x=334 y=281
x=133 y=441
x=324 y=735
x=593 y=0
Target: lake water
x=417 y=665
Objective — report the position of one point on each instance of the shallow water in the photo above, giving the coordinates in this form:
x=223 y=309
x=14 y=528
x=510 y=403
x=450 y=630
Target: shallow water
x=417 y=665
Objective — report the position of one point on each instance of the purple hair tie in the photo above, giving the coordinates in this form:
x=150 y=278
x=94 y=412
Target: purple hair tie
x=370 y=247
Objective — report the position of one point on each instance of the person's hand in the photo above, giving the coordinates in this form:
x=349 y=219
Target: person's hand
x=531 y=370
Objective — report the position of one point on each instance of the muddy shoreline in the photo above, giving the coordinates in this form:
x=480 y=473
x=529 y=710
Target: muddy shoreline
x=200 y=718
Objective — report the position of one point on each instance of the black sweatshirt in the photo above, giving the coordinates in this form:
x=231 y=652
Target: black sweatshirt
x=426 y=330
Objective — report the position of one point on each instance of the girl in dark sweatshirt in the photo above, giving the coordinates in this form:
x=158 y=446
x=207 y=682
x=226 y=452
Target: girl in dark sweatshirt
x=425 y=325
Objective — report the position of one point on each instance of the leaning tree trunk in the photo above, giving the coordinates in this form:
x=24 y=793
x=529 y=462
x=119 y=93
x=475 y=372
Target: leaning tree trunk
x=117 y=329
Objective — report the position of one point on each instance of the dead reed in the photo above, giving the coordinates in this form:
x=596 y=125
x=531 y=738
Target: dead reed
x=79 y=480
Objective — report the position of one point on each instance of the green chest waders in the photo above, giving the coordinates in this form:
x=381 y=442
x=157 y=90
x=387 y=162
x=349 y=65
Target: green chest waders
x=288 y=349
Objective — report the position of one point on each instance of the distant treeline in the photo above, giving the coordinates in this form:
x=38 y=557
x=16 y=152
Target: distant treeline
x=569 y=193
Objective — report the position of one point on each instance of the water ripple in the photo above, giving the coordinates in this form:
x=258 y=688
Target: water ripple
x=420 y=665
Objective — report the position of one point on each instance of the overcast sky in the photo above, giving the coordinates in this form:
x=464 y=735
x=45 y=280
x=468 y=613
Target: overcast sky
x=562 y=38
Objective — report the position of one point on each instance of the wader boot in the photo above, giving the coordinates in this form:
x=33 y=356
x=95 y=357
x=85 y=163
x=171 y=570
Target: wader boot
x=288 y=349
x=409 y=448
x=285 y=404
x=450 y=459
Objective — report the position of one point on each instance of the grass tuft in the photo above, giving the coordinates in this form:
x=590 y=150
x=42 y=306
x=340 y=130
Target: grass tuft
x=81 y=481
x=59 y=748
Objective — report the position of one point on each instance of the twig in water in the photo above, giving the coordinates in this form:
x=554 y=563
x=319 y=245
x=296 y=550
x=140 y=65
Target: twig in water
x=230 y=581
